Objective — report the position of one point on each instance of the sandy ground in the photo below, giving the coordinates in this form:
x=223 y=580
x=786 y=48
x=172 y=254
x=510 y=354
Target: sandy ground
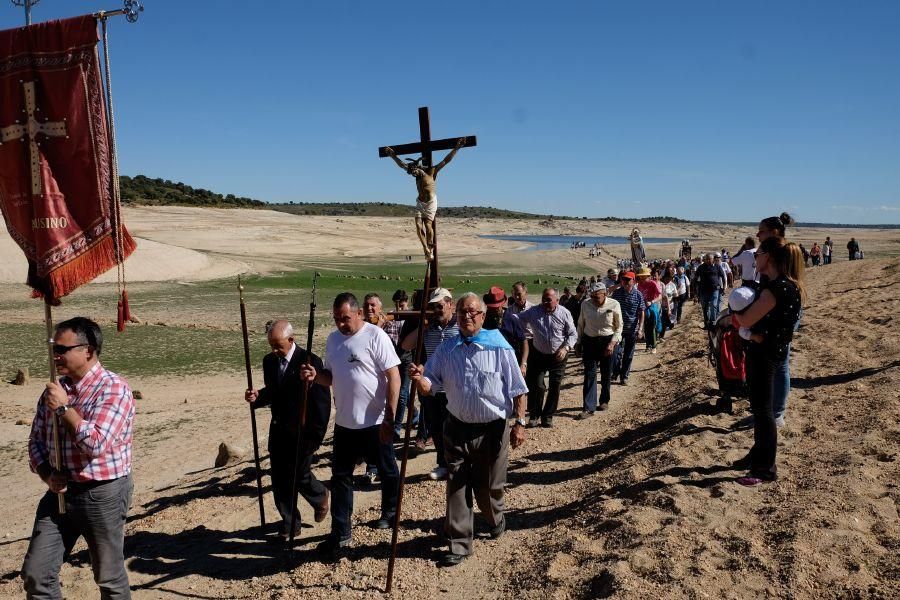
x=637 y=502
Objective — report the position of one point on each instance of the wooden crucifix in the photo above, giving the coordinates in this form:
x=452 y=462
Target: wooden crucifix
x=426 y=174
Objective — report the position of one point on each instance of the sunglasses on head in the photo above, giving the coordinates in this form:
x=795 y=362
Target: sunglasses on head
x=59 y=349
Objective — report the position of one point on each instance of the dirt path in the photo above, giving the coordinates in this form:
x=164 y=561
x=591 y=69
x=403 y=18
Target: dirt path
x=636 y=502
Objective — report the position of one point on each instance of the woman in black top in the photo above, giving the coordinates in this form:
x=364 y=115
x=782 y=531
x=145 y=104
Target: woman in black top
x=773 y=316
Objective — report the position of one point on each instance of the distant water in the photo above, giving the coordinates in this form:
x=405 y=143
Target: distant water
x=561 y=242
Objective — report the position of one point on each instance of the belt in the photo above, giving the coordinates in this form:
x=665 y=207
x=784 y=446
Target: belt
x=474 y=426
x=83 y=486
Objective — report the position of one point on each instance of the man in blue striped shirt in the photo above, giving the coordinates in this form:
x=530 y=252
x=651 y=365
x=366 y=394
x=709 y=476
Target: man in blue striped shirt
x=632 y=304
x=484 y=388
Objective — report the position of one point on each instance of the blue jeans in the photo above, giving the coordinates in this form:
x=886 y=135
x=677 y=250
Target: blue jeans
x=710 y=303
x=93 y=510
x=623 y=356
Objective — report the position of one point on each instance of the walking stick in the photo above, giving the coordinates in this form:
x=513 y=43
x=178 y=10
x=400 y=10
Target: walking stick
x=57 y=451
x=409 y=419
x=259 y=489
x=310 y=327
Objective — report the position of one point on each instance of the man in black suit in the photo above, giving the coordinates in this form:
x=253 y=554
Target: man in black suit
x=283 y=392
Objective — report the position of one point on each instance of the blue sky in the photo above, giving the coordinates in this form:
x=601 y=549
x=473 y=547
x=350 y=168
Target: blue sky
x=701 y=110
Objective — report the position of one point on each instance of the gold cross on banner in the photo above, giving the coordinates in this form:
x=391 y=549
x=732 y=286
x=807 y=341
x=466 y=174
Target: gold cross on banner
x=31 y=130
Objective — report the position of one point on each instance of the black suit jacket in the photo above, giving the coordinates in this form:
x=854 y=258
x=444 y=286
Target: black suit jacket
x=285 y=397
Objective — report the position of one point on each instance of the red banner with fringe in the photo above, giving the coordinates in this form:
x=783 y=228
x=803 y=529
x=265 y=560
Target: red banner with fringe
x=55 y=170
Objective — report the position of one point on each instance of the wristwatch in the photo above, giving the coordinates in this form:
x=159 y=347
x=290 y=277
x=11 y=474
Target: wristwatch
x=520 y=422
x=61 y=410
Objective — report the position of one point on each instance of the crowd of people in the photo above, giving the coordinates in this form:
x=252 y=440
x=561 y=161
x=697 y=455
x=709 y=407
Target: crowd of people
x=490 y=366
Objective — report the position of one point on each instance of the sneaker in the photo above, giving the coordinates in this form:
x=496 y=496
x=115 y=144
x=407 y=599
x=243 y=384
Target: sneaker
x=372 y=477
x=585 y=414
x=604 y=406
x=779 y=421
x=532 y=422
x=438 y=474
x=653 y=351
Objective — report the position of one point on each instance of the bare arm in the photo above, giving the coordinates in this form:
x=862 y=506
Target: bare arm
x=393 y=392
x=409 y=342
x=390 y=152
x=450 y=156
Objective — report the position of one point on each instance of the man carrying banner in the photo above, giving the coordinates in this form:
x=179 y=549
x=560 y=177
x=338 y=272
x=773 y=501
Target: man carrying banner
x=96 y=410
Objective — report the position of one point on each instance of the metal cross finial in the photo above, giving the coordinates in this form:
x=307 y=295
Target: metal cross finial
x=133 y=8
x=27 y=4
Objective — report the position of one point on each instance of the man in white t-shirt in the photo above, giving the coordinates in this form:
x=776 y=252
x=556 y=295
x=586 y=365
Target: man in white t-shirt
x=361 y=365
x=745 y=260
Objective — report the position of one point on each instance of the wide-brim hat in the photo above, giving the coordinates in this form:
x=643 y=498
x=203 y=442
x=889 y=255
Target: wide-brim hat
x=494 y=298
x=644 y=272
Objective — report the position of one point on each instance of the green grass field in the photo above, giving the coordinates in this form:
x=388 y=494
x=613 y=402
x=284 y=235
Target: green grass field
x=206 y=336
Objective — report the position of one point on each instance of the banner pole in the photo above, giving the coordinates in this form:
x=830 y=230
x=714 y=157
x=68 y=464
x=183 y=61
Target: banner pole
x=57 y=453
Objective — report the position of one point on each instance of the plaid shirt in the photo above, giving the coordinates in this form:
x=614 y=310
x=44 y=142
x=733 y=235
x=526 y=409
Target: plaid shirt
x=101 y=448
x=392 y=328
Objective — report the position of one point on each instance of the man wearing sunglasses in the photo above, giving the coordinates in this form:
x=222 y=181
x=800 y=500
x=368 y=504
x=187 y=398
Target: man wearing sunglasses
x=95 y=411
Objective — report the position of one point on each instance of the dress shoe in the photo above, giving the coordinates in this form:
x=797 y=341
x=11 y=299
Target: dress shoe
x=497 y=531
x=332 y=548
x=383 y=523
x=438 y=474
x=321 y=511
x=548 y=422
x=451 y=560
x=532 y=423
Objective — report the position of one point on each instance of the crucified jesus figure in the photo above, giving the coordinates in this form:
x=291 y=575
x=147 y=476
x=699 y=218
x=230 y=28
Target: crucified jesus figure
x=426 y=202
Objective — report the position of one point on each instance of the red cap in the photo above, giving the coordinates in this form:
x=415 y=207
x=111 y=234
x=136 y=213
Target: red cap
x=628 y=274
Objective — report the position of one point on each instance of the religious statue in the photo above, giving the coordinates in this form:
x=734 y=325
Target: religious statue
x=637 y=247
x=426 y=202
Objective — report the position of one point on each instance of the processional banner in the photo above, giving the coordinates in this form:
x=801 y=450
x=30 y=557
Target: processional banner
x=55 y=166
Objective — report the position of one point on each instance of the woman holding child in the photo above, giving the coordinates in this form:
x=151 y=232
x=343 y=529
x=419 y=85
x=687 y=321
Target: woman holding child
x=771 y=318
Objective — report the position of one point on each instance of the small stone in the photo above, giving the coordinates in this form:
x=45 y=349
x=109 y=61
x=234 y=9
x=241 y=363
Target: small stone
x=21 y=377
x=23 y=422
x=228 y=454
x=137 y=395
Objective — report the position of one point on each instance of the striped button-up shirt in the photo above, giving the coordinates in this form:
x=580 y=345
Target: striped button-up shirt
x=632 y=305
x=480 y=382
x=435 y=335
x=551 y=330
x=101 y=448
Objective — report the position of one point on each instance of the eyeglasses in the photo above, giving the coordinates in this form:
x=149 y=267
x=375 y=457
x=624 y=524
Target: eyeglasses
x=59 y=349
x=469 y=313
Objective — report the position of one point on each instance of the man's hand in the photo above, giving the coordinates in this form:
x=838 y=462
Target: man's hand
x=416 y=372
x=561 y=354
x=308 y=373
x=251 y=395
x=516 y=436
x=524 y=368
x=55 y=396
x=609 y=349
x=57 y=482
x=640 y=333
x=386 y=432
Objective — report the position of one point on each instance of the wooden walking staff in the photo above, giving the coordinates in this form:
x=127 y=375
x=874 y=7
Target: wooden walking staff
x=409 y=419
x=259 y=488
x=310 y=327
x=57 y=451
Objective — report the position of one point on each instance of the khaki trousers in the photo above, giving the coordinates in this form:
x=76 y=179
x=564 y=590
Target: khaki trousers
x=477 y=456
